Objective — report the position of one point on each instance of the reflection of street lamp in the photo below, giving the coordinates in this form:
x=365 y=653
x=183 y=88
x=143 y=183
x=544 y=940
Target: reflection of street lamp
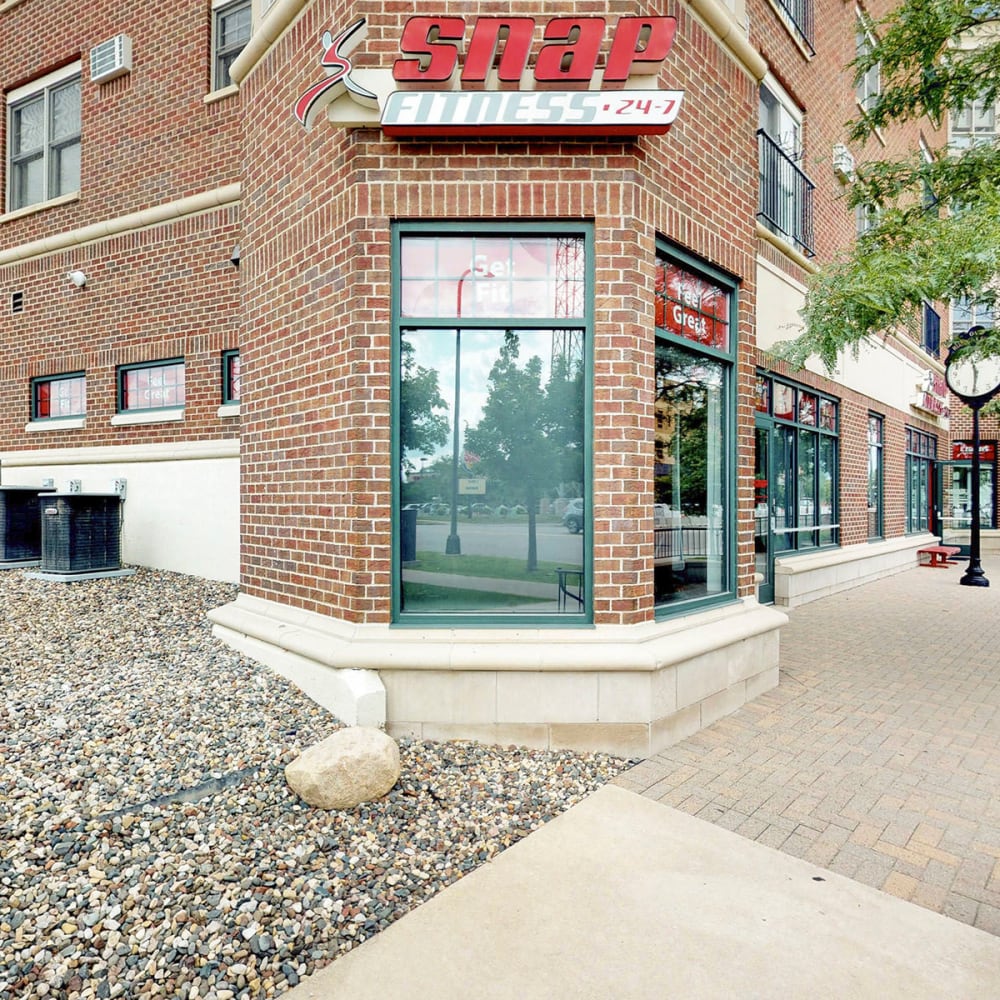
x=975 y=379
x=453 y=546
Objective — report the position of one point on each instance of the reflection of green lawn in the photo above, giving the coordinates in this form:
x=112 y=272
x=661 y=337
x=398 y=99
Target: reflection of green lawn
x=424 y=597
x=495 y=567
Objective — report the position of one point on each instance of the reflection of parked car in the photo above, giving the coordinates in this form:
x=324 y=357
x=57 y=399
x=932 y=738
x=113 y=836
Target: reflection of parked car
x=482 y=508
x=573 y=516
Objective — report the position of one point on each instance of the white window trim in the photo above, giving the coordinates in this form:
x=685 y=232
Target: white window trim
x=49 y=80
x=56 y=424
x=788 y=105
x=229 y=410
x=163 y=416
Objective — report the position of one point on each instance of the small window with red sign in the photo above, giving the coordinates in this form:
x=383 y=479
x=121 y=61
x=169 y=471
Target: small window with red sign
x=762 y=394
x=807 y=409
x=784 y=401
x=690 y=306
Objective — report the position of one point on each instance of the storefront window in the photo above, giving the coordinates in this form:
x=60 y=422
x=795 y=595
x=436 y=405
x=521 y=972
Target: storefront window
x=805 y=468
x=921 y=450
x=691 y=472
x=491 y=431
x=875 y=476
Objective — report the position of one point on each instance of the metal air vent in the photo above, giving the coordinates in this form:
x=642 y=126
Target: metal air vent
x=111 y=59
x=17 y=302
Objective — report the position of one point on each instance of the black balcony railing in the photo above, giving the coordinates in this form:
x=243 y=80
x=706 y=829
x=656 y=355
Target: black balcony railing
x=786 y=195
x=800 y=14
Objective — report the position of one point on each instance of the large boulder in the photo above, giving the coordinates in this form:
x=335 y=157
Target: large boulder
x=354 y=765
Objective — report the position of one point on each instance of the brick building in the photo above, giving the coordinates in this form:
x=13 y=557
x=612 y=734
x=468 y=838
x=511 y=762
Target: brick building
x=467 y=381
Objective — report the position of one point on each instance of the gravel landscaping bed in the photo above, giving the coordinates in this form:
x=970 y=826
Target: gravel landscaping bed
x=149 y=846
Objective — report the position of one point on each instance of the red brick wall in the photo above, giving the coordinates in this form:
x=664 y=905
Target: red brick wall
x=316 y=472
x=148 y=138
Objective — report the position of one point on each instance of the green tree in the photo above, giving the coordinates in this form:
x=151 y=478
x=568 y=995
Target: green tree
x=421 y=429
x=937 y=236
x=526 y=430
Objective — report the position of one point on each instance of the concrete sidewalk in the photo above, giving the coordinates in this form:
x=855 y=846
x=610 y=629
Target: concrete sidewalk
x=866 y=783
x=621 y=898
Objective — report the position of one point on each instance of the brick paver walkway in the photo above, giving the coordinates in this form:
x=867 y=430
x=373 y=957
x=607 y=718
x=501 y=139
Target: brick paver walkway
x=878 y=756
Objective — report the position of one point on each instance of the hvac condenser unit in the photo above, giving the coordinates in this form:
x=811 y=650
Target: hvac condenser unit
x=81 y=532
x=20 y=527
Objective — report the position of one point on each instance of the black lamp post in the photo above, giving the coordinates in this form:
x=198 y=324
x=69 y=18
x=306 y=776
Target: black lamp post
x=975 y=379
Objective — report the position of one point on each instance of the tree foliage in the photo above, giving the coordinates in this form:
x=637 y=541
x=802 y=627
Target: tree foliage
x=421 y=429
x=528 y=436
x=937 y=236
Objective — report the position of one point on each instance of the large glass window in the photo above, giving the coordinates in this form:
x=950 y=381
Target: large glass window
x=491 y=435
x=876 y=475
x=691 y=465
x=44 y=140
x=921 y=450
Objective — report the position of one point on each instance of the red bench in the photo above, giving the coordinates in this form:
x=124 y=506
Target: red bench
x=940 y=555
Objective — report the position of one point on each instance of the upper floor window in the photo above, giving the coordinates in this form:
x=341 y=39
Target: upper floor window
x=974 y=125
x=869 y=86
x=59 y=396
x=230 y=376
x=866 y=218
x=966 y=314
x=43 y=146
x=786 y=193
x=931 y=331
x=157 y=385
x=232 y=27
x=876 y=474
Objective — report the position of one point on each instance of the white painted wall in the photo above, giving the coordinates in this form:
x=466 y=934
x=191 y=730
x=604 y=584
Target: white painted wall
x=181 y=510
x=879 y=370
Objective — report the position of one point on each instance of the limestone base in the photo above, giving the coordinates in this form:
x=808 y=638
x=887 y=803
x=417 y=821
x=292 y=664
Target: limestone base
x=625 y=690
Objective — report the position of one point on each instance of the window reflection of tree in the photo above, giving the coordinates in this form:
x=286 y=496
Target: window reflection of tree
x=682 y=397
x=421 y=428
x=530 y=436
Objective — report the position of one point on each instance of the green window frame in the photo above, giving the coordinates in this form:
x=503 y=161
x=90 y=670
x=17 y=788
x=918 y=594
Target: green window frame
x=876 y=476
x=806 y=464
x=230 y=377
x=694 y=454
x=491 y=409
x=59 y=397
x=921 y=453
x=152 y=385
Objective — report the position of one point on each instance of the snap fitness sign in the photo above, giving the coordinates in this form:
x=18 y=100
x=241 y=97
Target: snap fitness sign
x=490 y=86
